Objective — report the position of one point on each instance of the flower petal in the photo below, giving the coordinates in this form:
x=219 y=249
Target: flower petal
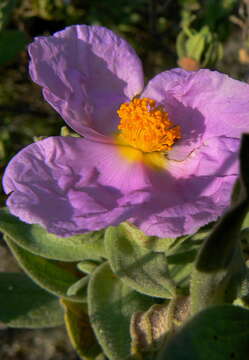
x=194 y=192
x=86 y=72
x=72 y=185
x=204 y=103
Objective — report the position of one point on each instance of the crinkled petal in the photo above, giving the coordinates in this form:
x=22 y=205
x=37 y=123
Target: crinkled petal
x=72 y=185
x=86 y=73
x=195 y=191
x=204 y=103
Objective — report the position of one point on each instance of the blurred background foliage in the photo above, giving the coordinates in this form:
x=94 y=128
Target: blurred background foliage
x=165 y=33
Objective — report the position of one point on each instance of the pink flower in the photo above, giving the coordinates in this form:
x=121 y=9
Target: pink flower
x=172 y=166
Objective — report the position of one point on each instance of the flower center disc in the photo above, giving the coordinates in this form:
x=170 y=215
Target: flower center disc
x=146 y=126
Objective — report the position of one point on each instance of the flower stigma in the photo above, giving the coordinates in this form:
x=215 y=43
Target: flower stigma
x=146 y=128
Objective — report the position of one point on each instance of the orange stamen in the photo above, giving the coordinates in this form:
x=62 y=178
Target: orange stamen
x=146 y=126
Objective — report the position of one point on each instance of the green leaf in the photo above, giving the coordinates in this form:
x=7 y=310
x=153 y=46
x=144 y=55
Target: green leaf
x=54 y=276
x=149 y=242
x=12 y=42
x=79 y=330
x=245 y=224
x=219 y=333
x=79 y=288
x=181 y=273
x=111 y=305
x=142 y=269
x=159 y=244
x=87 y=266
x=35 y=239
x=183 y=243
x=181 y=259
x=24 y=304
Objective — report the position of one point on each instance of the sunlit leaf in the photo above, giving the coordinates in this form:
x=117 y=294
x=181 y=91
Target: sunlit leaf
x=79 y=330
x=144 y=270
x=36 y=239
x=54 y=276
x=111 y=305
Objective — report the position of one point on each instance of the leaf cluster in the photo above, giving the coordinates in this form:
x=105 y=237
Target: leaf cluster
x=125 y=295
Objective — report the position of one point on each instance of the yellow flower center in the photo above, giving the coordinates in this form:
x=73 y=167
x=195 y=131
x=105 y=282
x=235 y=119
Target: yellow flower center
x=146 y=126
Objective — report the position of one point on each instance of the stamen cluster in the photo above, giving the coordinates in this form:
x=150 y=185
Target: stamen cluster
x=146 y=126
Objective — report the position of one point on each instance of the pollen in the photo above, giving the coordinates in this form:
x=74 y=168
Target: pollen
x=146 y=126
